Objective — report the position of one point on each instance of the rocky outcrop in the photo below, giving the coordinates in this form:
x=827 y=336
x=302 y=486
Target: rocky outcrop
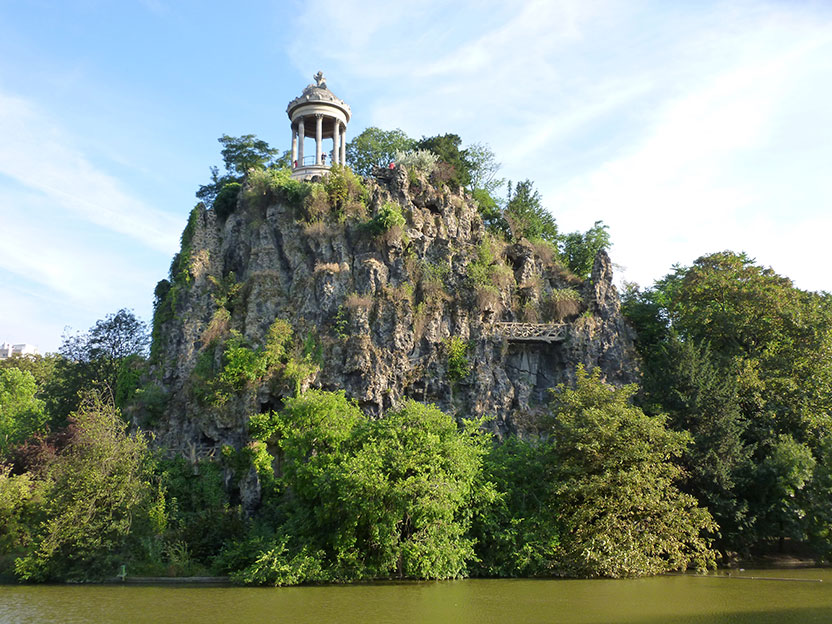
x=377 y=310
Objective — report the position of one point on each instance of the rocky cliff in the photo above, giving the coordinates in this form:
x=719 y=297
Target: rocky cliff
x=392 y=289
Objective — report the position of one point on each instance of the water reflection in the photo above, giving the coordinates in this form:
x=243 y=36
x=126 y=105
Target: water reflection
x=686 y=599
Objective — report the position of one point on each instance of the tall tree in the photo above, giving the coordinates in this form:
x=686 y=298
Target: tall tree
x=95 y=491
x=105 y=356
x=448 y=147
x=239 y=155
x=620 y=508
x=526 y=216
x=579 y=249
x=376 y=148
x=772 y=345
x=22 y=414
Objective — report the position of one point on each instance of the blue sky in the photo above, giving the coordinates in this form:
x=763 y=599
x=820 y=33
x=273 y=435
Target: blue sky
x=687 y=127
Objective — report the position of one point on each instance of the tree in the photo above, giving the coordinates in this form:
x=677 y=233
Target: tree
x=579 y=250
x=526 y=216
x=457 y=168
x=483 y=167
x=239 y=154
x=369 y=498
x=21 y=413
x=105 y=356
x=771 y=345
x=517 y=533
x=619 y=506
x=95 y=491
x=376 y=148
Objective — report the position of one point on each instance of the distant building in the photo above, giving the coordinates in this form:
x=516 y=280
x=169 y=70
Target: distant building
x=8 y=350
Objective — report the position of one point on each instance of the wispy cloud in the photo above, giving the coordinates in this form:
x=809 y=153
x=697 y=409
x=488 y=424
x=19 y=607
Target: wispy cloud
x=671 y=123
x=37 y=154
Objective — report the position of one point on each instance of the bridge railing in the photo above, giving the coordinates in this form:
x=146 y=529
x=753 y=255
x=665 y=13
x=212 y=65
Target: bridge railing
x=531 y=332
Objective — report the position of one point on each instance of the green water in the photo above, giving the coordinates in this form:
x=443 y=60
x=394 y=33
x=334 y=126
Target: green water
x=687 y=599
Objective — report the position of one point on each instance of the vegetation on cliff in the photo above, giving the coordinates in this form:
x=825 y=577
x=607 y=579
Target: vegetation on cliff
x=300 y=337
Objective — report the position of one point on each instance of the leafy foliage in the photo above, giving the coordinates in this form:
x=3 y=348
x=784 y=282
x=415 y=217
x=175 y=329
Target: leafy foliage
x=369 y=498
x=376 y=148
x=517 y=533
x=240 y=155
x=388 y=216
x=105 y=357
x=226 y=200
x=754 y=385
x=419 y=161
x=458 y=365
x=620 y=510
x=95 y=493
x=579 y=250
x=526 y=216
x=22 y=414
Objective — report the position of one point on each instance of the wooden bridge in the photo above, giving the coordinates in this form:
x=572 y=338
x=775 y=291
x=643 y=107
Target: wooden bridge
x=531 y=332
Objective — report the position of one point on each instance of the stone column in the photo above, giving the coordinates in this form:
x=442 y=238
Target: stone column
x=336 y=144
x=302 y=132
x=319 y=131
x=344 y=146
x=294 y=146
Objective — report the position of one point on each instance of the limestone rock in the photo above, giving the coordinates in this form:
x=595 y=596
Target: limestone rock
x=382 y=310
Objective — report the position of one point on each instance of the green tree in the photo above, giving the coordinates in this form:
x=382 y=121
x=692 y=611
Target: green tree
x=526 y=216
x=620 y=510
x=109 y=355
x=20 y=498
x=771 y=343
x=579 y=250
x=517 y=533
x=22 y=414
x=96 y=490
x=448 y=147
x=370 y=498
x=376 y=148
x=239 y=155
x=483 y=167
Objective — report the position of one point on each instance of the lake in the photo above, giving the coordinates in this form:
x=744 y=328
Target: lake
x=687 y=599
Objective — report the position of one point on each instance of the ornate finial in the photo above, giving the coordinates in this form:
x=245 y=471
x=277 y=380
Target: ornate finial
x=320 y=80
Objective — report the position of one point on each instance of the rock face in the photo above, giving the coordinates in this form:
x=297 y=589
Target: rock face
x=380 y=312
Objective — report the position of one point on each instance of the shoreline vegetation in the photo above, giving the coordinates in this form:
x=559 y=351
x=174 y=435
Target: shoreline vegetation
x=721 y=454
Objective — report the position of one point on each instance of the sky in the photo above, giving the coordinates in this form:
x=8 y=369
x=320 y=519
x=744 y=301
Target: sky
x=686 y=127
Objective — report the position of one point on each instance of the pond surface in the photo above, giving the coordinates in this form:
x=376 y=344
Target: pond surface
x=805 y=597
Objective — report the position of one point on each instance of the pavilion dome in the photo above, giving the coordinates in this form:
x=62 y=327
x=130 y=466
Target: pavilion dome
x=318 y=93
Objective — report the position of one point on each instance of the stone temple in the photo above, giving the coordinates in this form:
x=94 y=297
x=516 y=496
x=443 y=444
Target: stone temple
x=317 y=114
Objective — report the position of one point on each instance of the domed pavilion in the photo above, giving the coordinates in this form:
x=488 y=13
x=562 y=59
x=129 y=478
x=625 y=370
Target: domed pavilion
x=317 y=114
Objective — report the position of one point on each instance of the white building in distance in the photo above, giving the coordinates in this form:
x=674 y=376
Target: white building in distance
x=8 y=350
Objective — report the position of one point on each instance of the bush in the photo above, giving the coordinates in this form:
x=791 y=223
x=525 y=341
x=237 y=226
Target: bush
x=265 y=186
x=620 y=509
x=458 y=365
x=418 y=161
x=388 y=216
x=97 y=494
x=226 y=200
x=369 y=498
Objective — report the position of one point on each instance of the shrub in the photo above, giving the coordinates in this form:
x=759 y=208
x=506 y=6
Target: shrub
x=347 y=194
x=264 y=186
x=369 y=498
x=98 y=491
x=419 y=161
x=561 y=303
x=458 y=365
x=226 y=200
x=388 y=216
